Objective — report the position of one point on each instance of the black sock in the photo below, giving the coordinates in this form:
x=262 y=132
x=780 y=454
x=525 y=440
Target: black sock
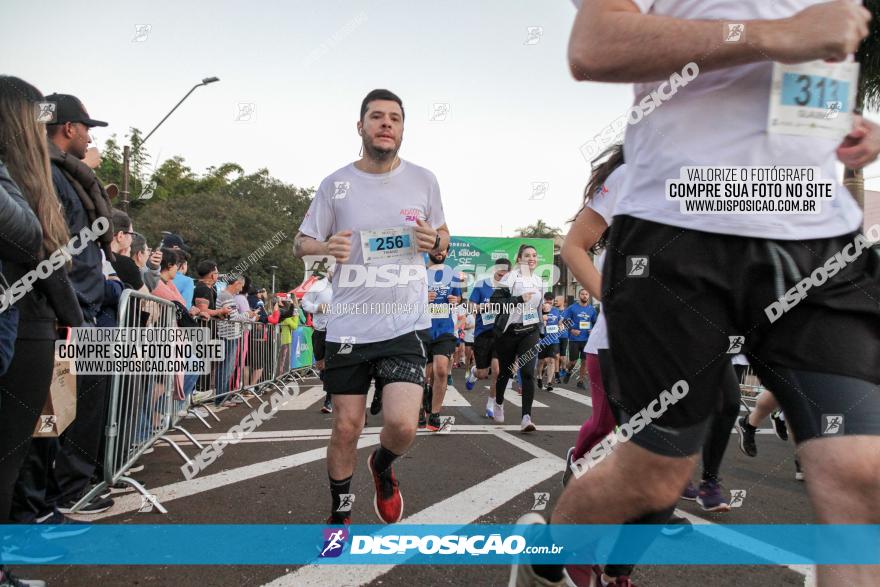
x=382 y=460
x=549 y=572
x=337 y=488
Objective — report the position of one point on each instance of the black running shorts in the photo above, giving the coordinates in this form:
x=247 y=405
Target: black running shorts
x=484 y=349
x=680 y=303
x=319 y=344
x=350 y=368
x=576 y=349
x=563 y=347
x=442 y=346
x=549 y=351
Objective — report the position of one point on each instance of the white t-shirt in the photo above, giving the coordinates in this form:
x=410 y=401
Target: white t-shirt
x=518 y=285
x=720 y=119
x=394 y=300
x=470 y=323
x=319 y=294
x=604 y=203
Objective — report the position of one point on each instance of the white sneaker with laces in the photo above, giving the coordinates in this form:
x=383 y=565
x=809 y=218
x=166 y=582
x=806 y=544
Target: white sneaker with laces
x=498 y=413
x=526 y=424
x=523 y=575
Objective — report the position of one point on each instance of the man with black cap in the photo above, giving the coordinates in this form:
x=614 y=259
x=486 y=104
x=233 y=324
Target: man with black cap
x=42 y=489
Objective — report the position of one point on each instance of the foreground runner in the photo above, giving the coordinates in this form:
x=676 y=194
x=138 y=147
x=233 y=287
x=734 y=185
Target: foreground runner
x=820 y=357
x=443 y=295
x=484 y=332
x=377 y=211
x=517 y=332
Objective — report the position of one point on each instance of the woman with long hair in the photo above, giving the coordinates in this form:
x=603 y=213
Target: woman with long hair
x=51 y=303
x=520 y=294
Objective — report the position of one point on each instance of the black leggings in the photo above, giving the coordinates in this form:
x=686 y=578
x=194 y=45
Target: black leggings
x=508 y=347
x=722 y=423
x=23 y=391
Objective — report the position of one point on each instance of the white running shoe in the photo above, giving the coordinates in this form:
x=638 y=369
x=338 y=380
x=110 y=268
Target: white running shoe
x=526 y=425
x=498 y=413
x=490 y=408
x=523 y=575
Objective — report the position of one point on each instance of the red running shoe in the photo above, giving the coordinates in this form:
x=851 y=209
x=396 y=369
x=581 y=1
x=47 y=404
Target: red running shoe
x=388 y=502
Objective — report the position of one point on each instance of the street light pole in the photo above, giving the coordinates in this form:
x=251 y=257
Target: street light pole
x=273 y=268
x=126 y=152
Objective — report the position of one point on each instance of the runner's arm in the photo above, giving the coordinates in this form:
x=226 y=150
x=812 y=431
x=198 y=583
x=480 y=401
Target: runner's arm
x=307 y=245
x=585 y=232
x=613 y=41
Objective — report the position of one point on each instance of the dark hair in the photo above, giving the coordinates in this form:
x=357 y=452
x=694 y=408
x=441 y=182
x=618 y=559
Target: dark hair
x=381 y=95
x=503 y=261
x=205 y=267
x=247 y=284
x=121 y=221
x=548 y=297
x=522 y=248
x=603 y=166
x=138 y=244
x=169 y=258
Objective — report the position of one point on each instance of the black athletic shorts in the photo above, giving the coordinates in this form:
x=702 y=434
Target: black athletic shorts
x=680 y=303
x=319 y=344
x=576 y=349
x=484 y=349
x=563 y=347
x=443 y=345
x=350 y=368
x=549 y=351
x=468 y=343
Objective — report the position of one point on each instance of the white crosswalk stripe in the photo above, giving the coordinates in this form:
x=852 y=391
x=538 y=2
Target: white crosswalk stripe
x=305 y=399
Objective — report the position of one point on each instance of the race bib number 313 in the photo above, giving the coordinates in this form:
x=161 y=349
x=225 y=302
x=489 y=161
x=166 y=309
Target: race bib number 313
x=387 y=243
x=814 y=99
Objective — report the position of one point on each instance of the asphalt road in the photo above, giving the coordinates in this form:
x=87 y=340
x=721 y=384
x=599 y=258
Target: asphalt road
x=278 y=475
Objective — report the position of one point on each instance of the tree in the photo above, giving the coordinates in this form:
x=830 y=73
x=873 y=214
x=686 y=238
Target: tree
x=868 y=96
x=539 y=229
x=245 y=223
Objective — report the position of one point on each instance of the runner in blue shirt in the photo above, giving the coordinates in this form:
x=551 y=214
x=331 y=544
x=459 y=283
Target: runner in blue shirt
x=484 y=335
x=443 y=295
x=562 y=361
x=581 y=315
x=552 y=325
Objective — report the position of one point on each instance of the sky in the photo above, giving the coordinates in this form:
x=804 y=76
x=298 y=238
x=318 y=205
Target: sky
x=491 y=106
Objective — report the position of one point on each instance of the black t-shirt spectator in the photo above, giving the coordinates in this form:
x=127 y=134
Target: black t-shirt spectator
x=128 y=271
x=206 y=293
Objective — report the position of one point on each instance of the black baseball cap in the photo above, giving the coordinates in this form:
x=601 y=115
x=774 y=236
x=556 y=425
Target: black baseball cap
x=70 y=109
x=172 y=241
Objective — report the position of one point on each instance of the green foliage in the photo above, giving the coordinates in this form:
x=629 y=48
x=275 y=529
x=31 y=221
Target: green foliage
x=539 y=229
x=869 y=56
x=223 y=215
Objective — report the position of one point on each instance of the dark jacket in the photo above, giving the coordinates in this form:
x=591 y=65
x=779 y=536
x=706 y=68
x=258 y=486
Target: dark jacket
x=52 y=299
x=86 y=274
x=20 y=234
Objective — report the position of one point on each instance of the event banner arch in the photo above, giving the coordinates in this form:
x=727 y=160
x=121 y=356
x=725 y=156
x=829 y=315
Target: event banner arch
x=477 y=254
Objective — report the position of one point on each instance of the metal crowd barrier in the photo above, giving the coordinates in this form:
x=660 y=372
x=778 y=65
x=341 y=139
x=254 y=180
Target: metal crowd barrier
x=749 y=387
x=145 y=409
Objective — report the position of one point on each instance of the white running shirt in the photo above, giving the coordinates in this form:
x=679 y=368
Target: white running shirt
x=350 y=199
x=720 y=119
x=604 y=203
